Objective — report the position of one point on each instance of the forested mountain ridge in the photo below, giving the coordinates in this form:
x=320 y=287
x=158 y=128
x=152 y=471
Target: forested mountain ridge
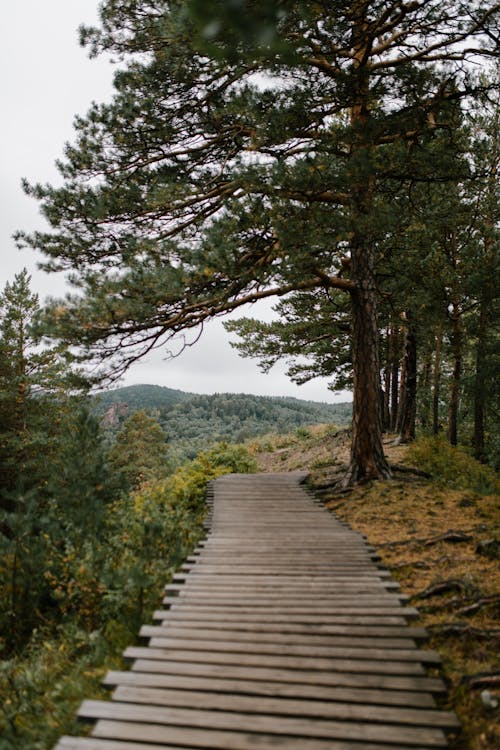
x=144 y=396
x=192 y=421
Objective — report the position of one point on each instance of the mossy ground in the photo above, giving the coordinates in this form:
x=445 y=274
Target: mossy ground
x=403 y=519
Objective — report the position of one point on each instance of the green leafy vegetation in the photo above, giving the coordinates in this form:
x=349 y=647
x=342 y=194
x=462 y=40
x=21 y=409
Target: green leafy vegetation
x=193 y=422
x=101 y=589
x=92 y=527
x=452 y=466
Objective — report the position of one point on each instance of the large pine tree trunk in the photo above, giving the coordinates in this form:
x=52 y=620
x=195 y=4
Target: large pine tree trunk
x=367 y=454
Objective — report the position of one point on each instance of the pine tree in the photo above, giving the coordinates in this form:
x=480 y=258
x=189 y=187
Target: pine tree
x=311 y=332
x=35 y=382
x=235 y=164
x=37 y=391
x=140 y=452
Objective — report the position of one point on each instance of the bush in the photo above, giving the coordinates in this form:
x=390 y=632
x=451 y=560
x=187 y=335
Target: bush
x=39 y=692
x=453 y=467
x=97 y=592
x=188 y=483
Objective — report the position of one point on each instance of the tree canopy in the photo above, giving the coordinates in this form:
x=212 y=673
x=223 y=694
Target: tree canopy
x=235 y=164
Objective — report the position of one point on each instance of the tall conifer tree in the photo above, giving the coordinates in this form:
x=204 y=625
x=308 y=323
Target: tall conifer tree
x=243 y=160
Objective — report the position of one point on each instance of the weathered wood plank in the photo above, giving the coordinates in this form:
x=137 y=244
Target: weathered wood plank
x=272 y=689
x=255 y=723
x=338 y=710
x=188 y=606
x=269 y=674
x=227 y=634
x=308 y=586
x=92 y=743
x=221 y=616
x=284 y=648
x=288 y=597
x=333 y=664
x=319 y=628
x=193 y=739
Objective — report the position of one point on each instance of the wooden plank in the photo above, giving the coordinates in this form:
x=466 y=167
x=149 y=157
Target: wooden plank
x=325 y=611
x=194 y=739
x=288 y=597
x=300 y=587
x=285 y=648
x=255 y=723
x=272 y=689
x=93 y=743
x=320 y=628
x=350 y=641
x=310 y=581
x=275 y=674
x=337 y=710
x=222 y=616
x=322 y=664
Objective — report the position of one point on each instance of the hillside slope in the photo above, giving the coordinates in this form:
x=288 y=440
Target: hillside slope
x=141 y=397
x=192 y=422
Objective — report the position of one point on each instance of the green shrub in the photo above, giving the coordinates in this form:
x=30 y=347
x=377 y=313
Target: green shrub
x=453 y=467
x=40 y=690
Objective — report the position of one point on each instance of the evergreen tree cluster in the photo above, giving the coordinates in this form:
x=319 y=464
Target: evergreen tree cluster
x=91 y=525
x=192 y=422
x=340 y=157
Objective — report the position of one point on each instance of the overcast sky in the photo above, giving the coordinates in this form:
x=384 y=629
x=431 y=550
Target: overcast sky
x=47 y=78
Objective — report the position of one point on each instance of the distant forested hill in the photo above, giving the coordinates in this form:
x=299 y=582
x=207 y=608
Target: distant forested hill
x=192 y=422
x=141 y=397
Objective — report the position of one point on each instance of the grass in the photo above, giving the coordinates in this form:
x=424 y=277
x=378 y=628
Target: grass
x=404 y=519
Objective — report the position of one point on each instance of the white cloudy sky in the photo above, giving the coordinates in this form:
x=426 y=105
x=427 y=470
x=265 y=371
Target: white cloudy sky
x=46 y=78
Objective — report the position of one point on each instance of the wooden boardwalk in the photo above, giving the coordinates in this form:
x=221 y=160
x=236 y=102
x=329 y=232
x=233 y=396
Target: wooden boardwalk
x=281 y=631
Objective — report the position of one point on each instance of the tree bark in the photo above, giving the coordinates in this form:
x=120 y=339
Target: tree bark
x=456 y=374
x=408 y=404
x=479 y=386
x=367 y=455
x=426 y=393
x=437 y=380
x=386 y=405
x=487 y=297
x=394 y=379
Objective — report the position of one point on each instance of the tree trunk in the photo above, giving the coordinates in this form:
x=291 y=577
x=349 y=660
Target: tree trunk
x=386 y=406
x=394 y=379
x=426 y=393
x=455 y=377
x=487 y=296
x=408 y=404
x=479 y=384
x=367 y=454
x=437 y=380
